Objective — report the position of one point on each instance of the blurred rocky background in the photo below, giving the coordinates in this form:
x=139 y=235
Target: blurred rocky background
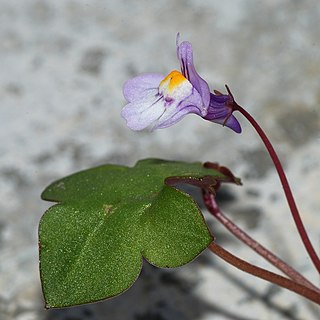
x=63 y=64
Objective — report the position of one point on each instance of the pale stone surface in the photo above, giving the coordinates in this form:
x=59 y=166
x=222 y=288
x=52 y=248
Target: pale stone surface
x=63 y=64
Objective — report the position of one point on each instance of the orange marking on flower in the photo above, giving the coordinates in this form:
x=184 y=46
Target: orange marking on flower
x=173 y=80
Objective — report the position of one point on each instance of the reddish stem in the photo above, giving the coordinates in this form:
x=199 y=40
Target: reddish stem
x=214 y=209
x=264 y=274
x=291 y=202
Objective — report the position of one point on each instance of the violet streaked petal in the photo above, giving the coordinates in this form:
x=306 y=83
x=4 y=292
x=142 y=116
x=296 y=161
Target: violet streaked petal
x=175 y=112
x=143 y=112
x=220 y=112
x=231 y=123
x=218 y=108
x=176 y=117
x=219 y=98
x=185 y=56
x=137 y=87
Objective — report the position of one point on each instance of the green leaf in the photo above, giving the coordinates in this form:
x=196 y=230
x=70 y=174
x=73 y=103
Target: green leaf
x=108 y=218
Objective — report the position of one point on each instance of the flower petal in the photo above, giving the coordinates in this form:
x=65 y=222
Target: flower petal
x=231 y=123
x=185 y=56
x=139 y=86
x=219 y=112
x=175 y=118
x=175 y=112
x=143 y=112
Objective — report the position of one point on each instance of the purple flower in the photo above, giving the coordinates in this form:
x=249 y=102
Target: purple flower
x=158 y=101
x=220 y=111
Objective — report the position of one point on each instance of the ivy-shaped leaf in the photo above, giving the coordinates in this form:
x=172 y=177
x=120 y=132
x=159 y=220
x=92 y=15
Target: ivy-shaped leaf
x=110 y=217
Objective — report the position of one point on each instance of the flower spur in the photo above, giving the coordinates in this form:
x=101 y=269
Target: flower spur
x=157 y=101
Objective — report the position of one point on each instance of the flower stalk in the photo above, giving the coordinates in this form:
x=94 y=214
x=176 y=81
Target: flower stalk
x=284 y=181
x=261 y=273
x=214 y=209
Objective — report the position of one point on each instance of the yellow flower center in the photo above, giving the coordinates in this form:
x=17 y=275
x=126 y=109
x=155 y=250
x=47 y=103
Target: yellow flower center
x=175 y=87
